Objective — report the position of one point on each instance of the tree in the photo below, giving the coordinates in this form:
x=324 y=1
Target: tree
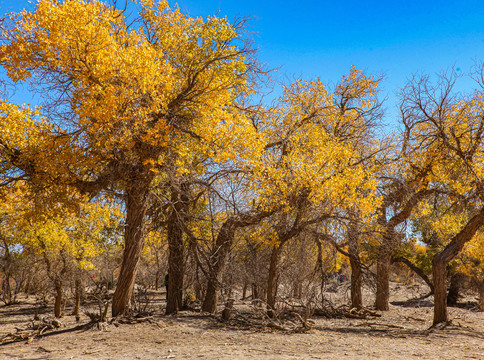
x=471 y=262
x=312 y=165
x=121 y=99
x=449 y=127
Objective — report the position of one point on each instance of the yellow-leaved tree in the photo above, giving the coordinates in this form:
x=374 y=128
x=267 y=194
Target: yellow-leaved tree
x=449 y=128
x=315 y=164
x=120 y=99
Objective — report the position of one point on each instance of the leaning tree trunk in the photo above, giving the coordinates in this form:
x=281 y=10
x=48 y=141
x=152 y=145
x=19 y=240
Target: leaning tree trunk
x=176 y=247
x=416 y=270
x=134 y=237
x=272 y=279
x=441 y=259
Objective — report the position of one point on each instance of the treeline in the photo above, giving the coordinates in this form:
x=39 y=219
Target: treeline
x=155 y=150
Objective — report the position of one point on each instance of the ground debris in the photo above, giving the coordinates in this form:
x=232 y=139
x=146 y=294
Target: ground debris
x=35 y=329
x=345 y=312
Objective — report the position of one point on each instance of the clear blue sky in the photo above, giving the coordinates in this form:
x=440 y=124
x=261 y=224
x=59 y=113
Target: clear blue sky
x=324 y=38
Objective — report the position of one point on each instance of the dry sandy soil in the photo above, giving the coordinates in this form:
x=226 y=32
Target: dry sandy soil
x=401 y=333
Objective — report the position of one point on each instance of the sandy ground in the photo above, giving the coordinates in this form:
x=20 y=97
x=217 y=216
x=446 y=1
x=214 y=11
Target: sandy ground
x=401 y=333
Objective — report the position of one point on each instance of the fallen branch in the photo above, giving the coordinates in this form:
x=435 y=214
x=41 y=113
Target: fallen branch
x=36 y=329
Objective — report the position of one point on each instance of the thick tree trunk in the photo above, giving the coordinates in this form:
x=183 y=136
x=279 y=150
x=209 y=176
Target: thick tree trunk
x=441 y=259
x=439 y=275
x=176 y=247
x=211 y=297
x=58 y=298
x=356 y=294
x=355 y=264
x=383 y=268
x=272 y=279
x=134 y=237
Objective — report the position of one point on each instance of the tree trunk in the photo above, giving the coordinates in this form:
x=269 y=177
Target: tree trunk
x=454 y=288
x=10 y=297
x=219 y=255
x=441 y=259
x=356 y=273
x=58 y=298
x=211 y=297
x=389 y=243
x=157 y=280
x=8 y=290
x=481 y=295
x=198 y=284
x=320 y=269
x=272 y=279
x=255 y=292
x=176 y=248
x=77 y=297
x=439 y=275
x=383 y=268
x=134 y=237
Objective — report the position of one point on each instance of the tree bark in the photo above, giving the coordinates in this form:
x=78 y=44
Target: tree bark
x=389 y=243
x=218 y=257
x=320 y=269
x=223 y=244
x=441 y=259
x=272 y=279
x=439 y=275
x=481 y=295
x=58 y=298
x=77 y=297
x=355 y=264
x=255 y=292
x=134 y=237
x=176 y=248
x=455 y=288
x=383 y=268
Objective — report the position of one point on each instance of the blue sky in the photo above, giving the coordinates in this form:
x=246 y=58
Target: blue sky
x=324 y=38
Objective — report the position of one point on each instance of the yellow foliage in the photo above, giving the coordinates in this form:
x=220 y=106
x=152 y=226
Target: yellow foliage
x=78 y=235
x=134 y=91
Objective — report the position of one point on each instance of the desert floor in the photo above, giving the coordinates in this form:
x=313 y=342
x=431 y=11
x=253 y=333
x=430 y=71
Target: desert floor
x=403 y=332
